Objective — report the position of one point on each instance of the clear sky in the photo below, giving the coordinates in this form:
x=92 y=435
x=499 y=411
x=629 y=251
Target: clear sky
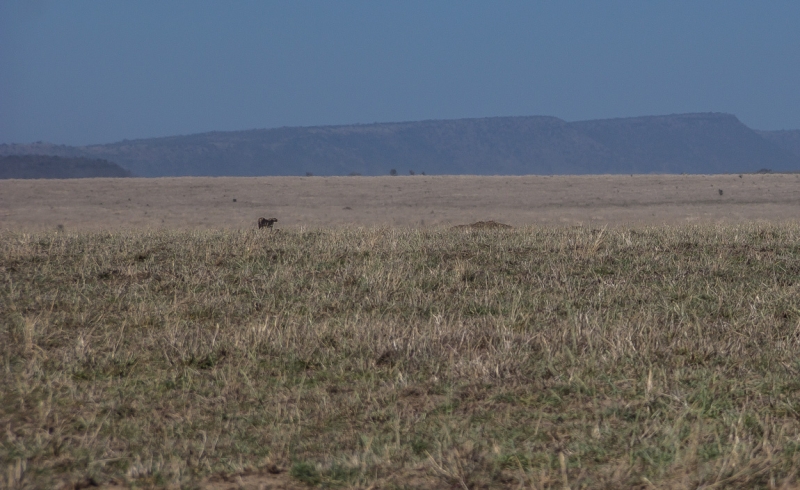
x=81 y=72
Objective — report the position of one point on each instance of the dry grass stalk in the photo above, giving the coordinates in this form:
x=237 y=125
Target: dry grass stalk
x=541 y=357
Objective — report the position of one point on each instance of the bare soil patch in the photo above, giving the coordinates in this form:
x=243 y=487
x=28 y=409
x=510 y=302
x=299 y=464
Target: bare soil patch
x=408 y=201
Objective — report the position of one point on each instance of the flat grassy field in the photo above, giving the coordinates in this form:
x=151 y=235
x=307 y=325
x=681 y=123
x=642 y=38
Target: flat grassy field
x=213 y=203
x=535 y=357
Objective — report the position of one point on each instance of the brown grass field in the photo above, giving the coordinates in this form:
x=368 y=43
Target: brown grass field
x=418 y=201
x=628 y=332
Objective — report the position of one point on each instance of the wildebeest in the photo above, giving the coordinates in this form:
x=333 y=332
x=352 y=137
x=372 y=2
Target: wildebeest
x=262 y=222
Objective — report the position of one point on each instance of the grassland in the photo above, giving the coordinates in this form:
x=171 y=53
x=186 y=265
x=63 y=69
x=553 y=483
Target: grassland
x=213 y=203
x=539 y=357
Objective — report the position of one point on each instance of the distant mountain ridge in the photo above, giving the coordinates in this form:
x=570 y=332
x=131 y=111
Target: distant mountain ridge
x=55 y=167
x=682 y=143
x=786 y=139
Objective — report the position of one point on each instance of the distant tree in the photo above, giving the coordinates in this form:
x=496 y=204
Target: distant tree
x=423 y=173
x=410 y=172
x=392 y=172
x=354 y=174
x=309 y=174
x=765 y=171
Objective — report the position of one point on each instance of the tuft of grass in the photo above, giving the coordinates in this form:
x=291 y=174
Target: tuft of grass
x=536 y=357
x=306 y=473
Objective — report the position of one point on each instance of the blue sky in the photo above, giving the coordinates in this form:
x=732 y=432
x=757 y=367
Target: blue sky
x=82 y=72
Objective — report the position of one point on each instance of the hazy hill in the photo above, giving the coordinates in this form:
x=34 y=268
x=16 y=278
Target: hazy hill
x=54 y=167
x=788 y=140
x=690 y=143
x=687 y=143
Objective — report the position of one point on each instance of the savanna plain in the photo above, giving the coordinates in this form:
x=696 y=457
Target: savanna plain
x=626 y=332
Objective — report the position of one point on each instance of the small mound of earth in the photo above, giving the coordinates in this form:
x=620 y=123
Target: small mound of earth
x=484 y=225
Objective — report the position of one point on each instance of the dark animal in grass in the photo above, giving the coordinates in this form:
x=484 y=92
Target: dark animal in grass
x=264 y=222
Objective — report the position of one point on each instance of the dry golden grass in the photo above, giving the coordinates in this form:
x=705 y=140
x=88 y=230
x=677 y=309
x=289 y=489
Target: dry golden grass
x=539 y=357
x=418 y=201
